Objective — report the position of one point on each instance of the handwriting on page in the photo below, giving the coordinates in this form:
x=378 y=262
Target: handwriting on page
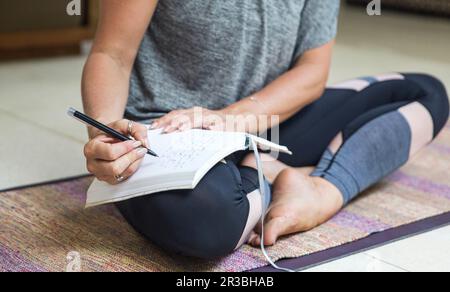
x=180 y=154
x=186 y=150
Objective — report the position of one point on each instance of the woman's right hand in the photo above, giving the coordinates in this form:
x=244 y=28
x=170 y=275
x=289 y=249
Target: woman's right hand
x=114 y=161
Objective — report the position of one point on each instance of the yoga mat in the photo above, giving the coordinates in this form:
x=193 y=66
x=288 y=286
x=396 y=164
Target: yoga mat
x=40 y=225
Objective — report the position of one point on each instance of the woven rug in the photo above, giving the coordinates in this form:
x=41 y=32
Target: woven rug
x=40 y=226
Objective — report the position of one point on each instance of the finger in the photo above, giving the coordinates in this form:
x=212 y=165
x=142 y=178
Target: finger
x=172 y=127
x=195 y=119
x=181 y=121
x=132 y=169
x=126 y=174
x=103 y=178
x=165 y=120
x=126 y=161
x=213 y=122
x=111 y=180
x=186 y=126
x=109 y=152
x=120 y=126
x=138 y=131
x=106 y=139
x=198 y=119
x=120 y=166
x=216 y=127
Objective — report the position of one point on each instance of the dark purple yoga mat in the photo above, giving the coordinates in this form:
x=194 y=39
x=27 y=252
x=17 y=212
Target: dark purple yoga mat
x=370 y=242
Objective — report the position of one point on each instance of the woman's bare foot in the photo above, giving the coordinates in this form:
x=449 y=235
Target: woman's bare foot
x=272 y=167
x=300 y=203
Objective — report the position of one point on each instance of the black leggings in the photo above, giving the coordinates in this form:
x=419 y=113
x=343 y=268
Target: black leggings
x=209 y=221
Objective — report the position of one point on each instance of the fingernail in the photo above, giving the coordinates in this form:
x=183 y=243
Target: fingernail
x=145 y=143
x=137 y=144
x=141 y=152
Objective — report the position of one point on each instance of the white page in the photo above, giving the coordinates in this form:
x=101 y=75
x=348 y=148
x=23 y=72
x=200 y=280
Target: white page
x=180 y=156
x=184 y=158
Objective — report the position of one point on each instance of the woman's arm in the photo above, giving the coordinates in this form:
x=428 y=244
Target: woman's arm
x=282 y=98
x=107 y=71
x=292 y=91
x=105 y=88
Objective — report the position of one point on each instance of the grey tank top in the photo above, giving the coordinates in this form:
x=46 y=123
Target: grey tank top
x=212 y=53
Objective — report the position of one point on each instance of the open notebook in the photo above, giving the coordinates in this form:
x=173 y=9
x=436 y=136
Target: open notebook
x=185 y=158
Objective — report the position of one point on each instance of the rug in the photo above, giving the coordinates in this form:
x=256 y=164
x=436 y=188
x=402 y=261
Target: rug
x=41 y=227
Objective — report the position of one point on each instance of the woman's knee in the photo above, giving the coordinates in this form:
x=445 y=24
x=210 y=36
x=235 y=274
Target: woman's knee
x=206 y=222
x=435 y=98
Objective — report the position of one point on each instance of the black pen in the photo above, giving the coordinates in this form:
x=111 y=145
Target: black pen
x=105 y=129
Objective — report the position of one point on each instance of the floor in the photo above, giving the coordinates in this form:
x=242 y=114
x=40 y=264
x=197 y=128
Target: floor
x=40 y=143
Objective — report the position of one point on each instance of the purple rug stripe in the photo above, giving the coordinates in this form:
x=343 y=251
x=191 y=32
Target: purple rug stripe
x=241 y=258
x=75 y=189
x=12 y=261
x=351 y=220
x=421 y=184
x=372 y=241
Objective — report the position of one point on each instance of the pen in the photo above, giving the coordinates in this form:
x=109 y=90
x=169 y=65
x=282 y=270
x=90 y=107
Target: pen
x=107 y=130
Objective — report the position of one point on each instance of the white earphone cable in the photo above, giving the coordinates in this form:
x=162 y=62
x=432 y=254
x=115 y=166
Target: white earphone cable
x=262 y=191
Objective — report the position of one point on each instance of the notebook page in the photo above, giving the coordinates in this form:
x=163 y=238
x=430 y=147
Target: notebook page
x=180 y=156
x=186 y=151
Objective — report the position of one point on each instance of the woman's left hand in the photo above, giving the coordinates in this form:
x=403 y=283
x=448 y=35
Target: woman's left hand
x=194 y=118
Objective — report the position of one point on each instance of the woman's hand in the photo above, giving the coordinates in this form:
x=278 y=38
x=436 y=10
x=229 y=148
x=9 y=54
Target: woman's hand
x=114 y=161
x=201 y=118
x=182 y=120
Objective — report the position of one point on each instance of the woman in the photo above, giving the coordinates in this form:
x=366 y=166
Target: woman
x=165 y=61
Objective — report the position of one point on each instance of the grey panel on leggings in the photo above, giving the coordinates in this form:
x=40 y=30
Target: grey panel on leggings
x=373 y=152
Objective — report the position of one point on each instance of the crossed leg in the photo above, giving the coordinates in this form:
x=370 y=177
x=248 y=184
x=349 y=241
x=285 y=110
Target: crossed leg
x=378 y=124
x=374 y=125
